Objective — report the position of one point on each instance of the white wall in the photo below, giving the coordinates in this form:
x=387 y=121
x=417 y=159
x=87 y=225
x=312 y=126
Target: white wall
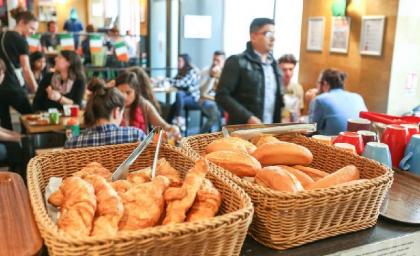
x=406 y=59
x=288 y=20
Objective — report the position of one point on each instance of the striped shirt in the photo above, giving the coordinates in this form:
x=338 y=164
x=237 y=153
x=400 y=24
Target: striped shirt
x=107 y=134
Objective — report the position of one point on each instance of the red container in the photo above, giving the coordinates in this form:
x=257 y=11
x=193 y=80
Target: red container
x=412 y=129
x=74 y=111
x=396 y=137
x=351 y=138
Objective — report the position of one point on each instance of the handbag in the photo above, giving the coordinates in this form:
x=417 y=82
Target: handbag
x=17 y=71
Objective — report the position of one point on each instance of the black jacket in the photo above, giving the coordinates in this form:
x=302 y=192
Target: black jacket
x=241 y=88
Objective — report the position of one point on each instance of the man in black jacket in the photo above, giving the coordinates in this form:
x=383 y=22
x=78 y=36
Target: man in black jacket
x=250 y=85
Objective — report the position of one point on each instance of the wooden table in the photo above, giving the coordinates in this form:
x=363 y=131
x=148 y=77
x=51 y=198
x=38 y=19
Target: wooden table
x=33 y=129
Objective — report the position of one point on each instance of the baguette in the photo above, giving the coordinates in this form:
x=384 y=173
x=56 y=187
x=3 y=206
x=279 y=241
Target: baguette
x=278 y=179
x=240 y=164
x=303 y=178
x=262 y=139
x=282 y=153
x=345 y=174
x=315 y=174
x=231 y=144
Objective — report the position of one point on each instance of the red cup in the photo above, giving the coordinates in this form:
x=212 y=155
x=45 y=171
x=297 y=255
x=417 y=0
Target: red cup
x=412 y=129
x=351 y=138
x=395 y=136
x=368 y=136
x=74 y=111
x=357 y=124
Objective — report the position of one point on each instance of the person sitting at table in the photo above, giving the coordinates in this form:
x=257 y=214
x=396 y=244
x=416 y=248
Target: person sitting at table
x=38 y=65
x=335 y=105
x=87 y=58
x=208 y=86
x=146 y=87
x=11 y=151
x=65 y=86
x=50 y=39
x=188 y=94
x=103 y=115
x=140 y=112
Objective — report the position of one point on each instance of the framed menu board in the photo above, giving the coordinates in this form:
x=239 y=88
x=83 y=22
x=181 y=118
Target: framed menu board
x=372 y=34
x=315 y=38
x=340 y=32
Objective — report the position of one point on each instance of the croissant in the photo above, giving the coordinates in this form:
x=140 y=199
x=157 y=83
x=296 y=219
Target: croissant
x=143 y=204
x=207 y=202
x=121 y=186
x=94 y=168
x=77 y=202
x=163 y=168
x=177 y=207
x=109 y=207
x=141 y=176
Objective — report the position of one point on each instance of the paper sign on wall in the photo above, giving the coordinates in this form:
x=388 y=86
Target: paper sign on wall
x=197 y=26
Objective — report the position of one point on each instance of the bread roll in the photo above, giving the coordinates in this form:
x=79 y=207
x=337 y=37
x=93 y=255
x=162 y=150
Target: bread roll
x=345 y=174
x=238 y=163
x=262 y=139
x=279 y=179
x=303 y=178
x=282 y=153
x=315 y=174
x=231 y=144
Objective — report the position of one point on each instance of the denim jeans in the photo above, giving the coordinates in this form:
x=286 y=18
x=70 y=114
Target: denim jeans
x=183 y=100
x=211 y=110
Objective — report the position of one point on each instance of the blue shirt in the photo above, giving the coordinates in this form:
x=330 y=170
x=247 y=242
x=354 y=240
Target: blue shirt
x=270 y=87
x=107 y=134
x=332 y=109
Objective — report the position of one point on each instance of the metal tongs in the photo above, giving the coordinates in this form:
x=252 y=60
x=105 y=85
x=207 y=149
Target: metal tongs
x=122 y=171
x=250 y=131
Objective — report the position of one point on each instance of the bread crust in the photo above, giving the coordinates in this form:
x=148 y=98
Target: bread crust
x=240 y=164
x=282 y=153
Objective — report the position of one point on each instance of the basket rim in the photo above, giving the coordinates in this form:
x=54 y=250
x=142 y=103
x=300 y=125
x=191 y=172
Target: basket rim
x=305 y=194
x=49 y=227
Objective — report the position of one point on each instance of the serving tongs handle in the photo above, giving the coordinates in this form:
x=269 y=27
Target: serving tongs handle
x=122 y=171
x=155 y=159
x=252 y=132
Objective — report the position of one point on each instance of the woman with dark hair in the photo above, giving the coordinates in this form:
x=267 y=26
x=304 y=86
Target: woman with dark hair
x=146 y=87
x=38 y=65
x=103 y=115
x=139 y=111
x=187 y=83
x=65 y=86
x=334 y=106
x=14 y=50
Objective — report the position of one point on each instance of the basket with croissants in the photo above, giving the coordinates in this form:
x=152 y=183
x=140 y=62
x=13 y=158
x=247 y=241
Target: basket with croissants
x=302 y=190
x=186 y=209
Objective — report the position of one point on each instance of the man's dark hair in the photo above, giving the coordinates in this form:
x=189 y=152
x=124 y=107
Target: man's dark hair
x=219 y=53
x=258 y=23
x=334 y=77
x=288 y=58
x=49 y=23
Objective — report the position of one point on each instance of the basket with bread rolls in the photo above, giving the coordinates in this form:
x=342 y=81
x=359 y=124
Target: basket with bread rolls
x=302 y=190
x=188 y=208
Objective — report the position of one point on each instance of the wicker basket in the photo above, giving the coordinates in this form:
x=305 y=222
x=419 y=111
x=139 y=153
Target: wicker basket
x=285 y=220
x=221 y=235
